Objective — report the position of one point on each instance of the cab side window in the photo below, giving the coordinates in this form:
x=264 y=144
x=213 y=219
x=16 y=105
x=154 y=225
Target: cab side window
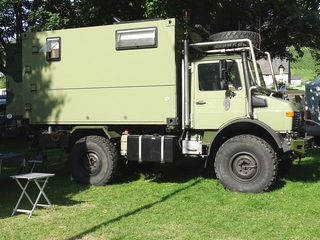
x=209 y=77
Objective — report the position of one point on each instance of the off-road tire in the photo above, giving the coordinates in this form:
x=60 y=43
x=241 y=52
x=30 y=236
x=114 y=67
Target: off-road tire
x=235 y=35
x=246 y=163
x=93 y=160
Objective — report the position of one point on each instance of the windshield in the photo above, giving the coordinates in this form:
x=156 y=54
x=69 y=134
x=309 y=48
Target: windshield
x=252 y=75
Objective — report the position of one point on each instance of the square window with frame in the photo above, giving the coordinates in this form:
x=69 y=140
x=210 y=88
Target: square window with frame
x=137 y=38
x=52 y=48
x=209 y=77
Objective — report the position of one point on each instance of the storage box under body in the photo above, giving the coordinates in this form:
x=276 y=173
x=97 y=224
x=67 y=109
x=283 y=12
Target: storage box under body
x=153 y=148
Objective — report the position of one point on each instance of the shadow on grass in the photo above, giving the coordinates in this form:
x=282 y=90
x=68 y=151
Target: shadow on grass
x=145 y=207
x=177 y=172
x=300 y=172
x=305 y=171
x=59 y=189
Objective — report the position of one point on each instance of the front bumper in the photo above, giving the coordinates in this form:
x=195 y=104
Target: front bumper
x=301 y=145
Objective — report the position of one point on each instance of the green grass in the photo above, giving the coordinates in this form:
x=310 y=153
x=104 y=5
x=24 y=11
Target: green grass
x=306 y=74
x=174 y=201
x=305 y=66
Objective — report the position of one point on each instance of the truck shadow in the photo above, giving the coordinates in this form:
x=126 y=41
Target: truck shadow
x=177 y=172
x=305 y=171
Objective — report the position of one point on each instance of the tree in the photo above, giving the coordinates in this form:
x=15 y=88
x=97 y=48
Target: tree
x=51 y=15
x=17 y=16
x=11 y=25
x=280 y=23
x=316 y=56
x=287 y=23
x=2 y=81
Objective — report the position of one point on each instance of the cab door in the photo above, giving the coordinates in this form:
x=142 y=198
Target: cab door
x=215 y=102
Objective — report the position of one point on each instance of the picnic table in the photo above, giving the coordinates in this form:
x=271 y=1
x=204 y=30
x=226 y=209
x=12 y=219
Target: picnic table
x=37 y=178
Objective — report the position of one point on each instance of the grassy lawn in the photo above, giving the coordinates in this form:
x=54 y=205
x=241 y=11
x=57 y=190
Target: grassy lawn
x=305 y=66
x=174 y=201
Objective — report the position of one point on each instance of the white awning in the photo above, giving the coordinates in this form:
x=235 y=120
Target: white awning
x=52 y=43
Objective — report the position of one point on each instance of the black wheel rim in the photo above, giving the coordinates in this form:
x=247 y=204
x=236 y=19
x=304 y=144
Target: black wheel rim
x=91 y=162
x=244 y=166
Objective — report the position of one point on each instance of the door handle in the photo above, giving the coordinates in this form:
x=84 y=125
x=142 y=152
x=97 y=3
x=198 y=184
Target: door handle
x=201 y=102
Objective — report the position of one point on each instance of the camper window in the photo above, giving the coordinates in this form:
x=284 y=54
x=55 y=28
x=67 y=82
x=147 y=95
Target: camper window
x=52 y=48
x=136 y=38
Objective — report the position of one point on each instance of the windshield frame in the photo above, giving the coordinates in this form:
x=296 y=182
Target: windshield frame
x=256 y=77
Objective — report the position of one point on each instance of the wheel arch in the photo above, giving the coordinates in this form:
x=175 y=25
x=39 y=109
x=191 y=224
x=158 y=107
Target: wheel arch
x=248 y=126
x=79 y=132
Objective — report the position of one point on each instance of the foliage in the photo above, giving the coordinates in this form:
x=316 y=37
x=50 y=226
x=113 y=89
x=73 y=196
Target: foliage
x=304 y=66
x=280 y=23
x=50 y=15
x=306 y=74
x=287 y=23
x=316 y=57
x=2 y=81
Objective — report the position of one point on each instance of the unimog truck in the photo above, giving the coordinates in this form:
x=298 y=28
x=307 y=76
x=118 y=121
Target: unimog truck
x=154 y=91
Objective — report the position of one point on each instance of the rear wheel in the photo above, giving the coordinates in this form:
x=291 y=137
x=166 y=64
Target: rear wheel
x=93 y=160
x=246 y=163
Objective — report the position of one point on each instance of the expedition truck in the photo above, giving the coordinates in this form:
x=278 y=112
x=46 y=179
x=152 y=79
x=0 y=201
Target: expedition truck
x=154 y=91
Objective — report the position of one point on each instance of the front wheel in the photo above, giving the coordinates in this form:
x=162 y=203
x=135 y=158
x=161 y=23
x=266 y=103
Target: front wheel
x=246 y=163
x=93 y=160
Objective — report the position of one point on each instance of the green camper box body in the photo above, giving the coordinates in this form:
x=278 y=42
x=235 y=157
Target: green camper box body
x=94 y=81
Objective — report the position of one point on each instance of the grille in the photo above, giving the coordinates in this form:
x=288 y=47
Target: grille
x=298 y=121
